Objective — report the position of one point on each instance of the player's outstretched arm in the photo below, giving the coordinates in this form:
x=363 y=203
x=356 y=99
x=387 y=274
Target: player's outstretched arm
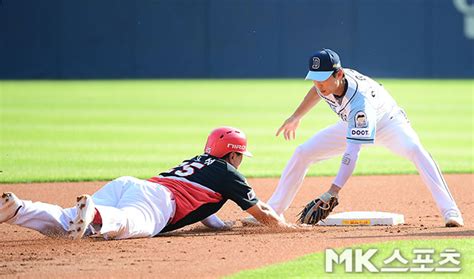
x=291 y=124
x=267 y=216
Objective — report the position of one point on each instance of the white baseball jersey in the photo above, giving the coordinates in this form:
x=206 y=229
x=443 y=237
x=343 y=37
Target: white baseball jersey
x=365 y=103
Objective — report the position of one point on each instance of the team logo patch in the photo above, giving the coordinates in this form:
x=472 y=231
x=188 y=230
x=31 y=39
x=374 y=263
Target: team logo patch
x=316 y=63
x=361 y=120
x=346 y=160
x=251 y=195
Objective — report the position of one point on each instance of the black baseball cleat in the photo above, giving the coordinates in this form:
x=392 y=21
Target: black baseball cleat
x=9 y=206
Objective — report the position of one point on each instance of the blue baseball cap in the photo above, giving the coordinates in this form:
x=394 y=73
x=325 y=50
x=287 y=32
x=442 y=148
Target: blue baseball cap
x=322 y=64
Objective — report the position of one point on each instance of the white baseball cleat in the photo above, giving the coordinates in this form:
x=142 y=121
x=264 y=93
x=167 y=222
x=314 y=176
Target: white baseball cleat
x=250 y=221
x=85 y=215
x=9 y=206
x=453 y=219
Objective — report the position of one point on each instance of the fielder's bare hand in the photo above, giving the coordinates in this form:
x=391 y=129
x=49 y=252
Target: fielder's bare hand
x=289 y=128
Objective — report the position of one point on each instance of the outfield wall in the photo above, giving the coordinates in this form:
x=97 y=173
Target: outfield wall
x=64 y=39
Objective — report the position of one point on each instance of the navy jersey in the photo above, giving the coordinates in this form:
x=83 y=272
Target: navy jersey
x=201 y=186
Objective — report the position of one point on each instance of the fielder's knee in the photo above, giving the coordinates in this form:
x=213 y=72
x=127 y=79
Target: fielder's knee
x=300 y=153
x=306 y=155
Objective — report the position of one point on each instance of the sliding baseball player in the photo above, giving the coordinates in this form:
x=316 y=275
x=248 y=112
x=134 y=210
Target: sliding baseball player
x=129 y=207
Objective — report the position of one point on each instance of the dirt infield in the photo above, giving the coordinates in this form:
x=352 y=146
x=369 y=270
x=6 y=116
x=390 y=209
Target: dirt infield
x=197 y=252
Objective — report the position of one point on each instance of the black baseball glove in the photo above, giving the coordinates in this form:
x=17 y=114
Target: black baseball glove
x=318 y=209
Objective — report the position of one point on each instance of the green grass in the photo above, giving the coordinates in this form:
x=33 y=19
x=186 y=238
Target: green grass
x=313 y=266
x=91 y=130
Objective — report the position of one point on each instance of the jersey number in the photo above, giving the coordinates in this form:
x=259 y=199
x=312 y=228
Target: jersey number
x=188 y=169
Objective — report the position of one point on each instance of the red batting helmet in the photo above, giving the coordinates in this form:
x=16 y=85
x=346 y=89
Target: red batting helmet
x=223 y=140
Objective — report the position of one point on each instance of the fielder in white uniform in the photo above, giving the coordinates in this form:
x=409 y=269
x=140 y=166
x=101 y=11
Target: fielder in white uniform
x=369 y=115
